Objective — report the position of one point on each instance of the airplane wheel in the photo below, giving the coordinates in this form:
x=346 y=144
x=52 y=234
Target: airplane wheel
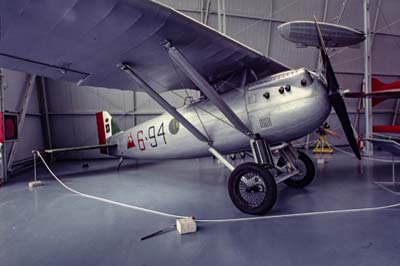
x=307 y=172
x=252 y=189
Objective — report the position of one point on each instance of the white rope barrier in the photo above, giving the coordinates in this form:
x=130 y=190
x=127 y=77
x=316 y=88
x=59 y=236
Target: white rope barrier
x=105 y=200
x=304 y=214
x=365 y=158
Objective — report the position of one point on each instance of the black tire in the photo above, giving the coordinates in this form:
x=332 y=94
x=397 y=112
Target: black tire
x=307 y=172
x=244 y=195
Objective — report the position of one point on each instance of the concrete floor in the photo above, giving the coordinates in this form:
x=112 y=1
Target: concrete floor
x=51 y=226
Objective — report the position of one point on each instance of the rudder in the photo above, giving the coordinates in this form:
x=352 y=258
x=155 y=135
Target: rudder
x=106 y=128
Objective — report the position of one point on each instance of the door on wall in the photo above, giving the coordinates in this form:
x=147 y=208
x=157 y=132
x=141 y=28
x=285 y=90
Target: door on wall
x=2 y=163
x=8 y=132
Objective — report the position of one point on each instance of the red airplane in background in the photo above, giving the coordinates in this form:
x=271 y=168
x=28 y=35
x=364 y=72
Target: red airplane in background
x=381 y=92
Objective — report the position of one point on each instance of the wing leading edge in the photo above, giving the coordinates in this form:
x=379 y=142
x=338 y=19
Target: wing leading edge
x=83 y=42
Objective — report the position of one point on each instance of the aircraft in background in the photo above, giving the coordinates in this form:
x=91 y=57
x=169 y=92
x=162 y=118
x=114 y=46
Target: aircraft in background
x=250 y=101
x=303 y=34
x=386 y=136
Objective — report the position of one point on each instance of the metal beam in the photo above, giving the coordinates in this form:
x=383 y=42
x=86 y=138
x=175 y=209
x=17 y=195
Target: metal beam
x=221 y=13
x=163 y=103
x=202 y=11
x=342 y=12
x=3 y=87
x=368 y=79
x=271 y=13
x=183 y=64
x=386 y=34
x=235 y=15
x=207 y=12
x=396 y=111
x=134 y=108
x=44 y=109
x=318 y=64
x=378 y=11
x=24 y=110
x=353 y=73
x=114 y=113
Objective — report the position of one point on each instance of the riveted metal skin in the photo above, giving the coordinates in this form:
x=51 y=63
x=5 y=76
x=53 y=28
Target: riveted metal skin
x=281 y=118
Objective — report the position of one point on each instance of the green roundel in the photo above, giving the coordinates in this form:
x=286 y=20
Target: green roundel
x=173 y=127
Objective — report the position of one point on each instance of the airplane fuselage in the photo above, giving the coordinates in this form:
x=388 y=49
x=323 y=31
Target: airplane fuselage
x=280 y=108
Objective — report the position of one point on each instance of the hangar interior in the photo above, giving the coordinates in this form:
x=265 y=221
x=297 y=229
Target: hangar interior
x=49 y=225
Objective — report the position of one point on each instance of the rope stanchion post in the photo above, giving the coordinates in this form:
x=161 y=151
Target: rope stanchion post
x=34 y=166
x=35 y=182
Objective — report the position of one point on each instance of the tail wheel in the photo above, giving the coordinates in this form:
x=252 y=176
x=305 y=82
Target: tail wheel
x=252 y=189
x=307 y=172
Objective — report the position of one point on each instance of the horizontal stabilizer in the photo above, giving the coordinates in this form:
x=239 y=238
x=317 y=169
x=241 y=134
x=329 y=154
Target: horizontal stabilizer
x=81 y=148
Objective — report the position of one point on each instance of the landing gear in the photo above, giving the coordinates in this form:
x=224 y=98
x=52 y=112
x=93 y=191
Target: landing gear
x=252 y=189
x=307 y=172
x=253 y=186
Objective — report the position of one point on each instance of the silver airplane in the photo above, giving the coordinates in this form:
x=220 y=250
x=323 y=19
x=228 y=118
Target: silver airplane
x=249 y=101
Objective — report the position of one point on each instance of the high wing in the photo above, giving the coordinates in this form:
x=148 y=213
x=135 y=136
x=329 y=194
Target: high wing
x=83 y=41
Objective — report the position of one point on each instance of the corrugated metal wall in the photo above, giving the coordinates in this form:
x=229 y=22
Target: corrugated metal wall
x=254 y=23
x=31 y=136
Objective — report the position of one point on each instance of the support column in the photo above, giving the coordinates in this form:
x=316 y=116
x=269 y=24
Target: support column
x=3 y=87
x=24 y=110
x=396 y=111
x=202 y=11
x=271 y=13
x=205 y=87
x=134 y=108
x=44 y=109
x=207 y=12
x=221 y=13
x=368 y=150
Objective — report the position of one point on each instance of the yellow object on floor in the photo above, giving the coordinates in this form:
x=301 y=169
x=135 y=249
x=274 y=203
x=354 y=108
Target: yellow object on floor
x=323 y=145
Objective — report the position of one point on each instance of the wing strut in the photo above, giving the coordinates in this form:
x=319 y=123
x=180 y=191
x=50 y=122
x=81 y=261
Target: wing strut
x=164 y=104
x=172 y=111
x=183 y=64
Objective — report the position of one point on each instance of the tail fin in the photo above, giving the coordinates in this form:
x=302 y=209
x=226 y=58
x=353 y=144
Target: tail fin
x=106 y=127
x=377 y=85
